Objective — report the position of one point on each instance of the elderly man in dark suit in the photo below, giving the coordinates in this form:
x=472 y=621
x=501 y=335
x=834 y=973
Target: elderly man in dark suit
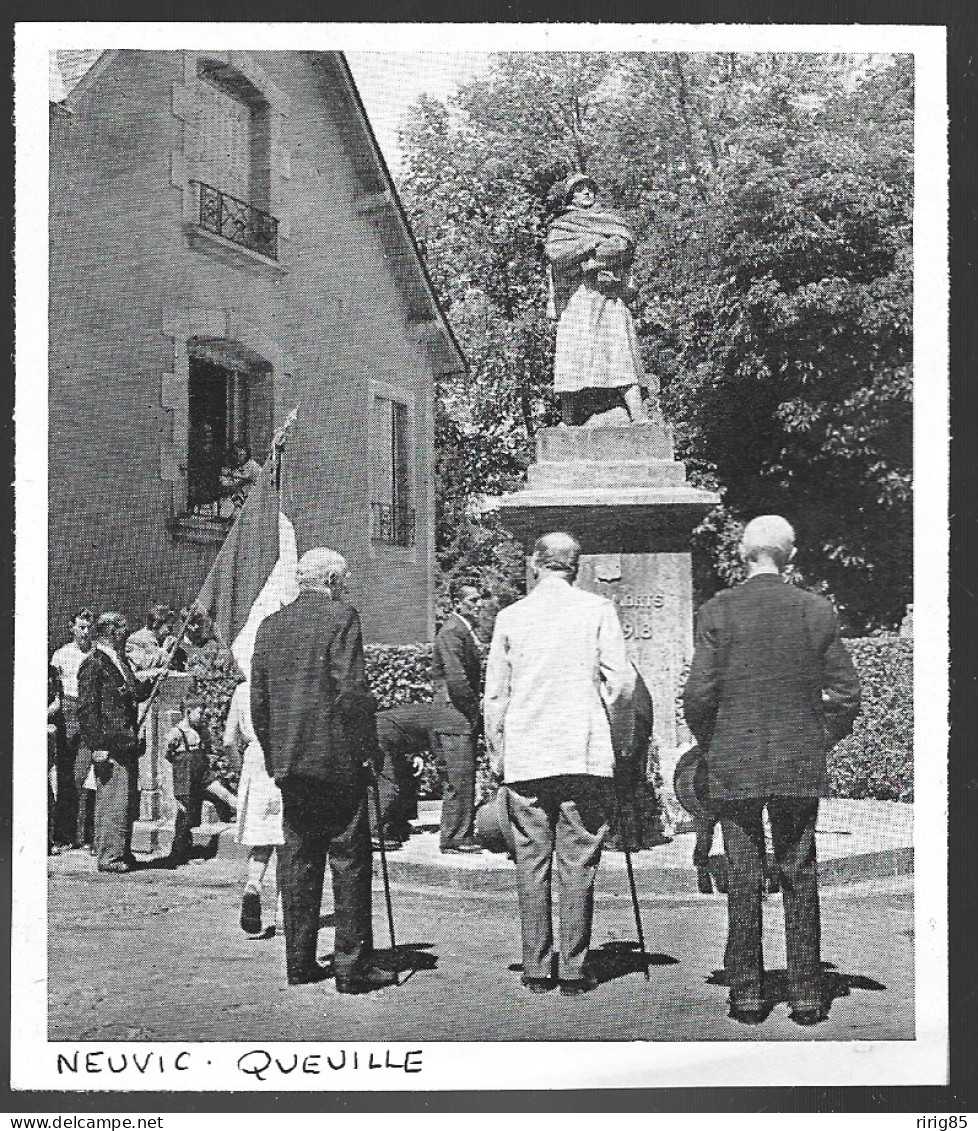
x=108 y=693
x=456 y=674
x=771 y=689
x=313 y=714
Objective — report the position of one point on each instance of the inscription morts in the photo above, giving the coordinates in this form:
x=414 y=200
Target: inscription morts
x=653 y=596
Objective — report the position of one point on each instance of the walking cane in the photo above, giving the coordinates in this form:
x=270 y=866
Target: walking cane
x=383 y=870
x=624 y=827
x=638 y=917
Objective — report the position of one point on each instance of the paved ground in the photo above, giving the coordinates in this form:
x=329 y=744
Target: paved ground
x=172 y=939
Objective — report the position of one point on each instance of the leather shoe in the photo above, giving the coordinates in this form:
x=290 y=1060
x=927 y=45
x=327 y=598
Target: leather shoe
x=251 y=913
x=574 y=987
x=364 y=981
x=809 y=1016
x=120 y=867
x=539 y=985
x=317 y=974
x=745 y=1016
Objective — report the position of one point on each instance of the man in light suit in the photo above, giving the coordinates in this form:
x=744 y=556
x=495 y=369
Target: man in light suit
x=557 y=678
x=770 y=690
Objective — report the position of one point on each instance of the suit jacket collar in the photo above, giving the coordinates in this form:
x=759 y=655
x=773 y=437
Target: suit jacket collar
x=467 y=626
x=551 y=583
x=120 y=663
x=765 y=578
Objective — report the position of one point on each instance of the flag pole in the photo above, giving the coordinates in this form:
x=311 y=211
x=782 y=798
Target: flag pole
x=275 y=453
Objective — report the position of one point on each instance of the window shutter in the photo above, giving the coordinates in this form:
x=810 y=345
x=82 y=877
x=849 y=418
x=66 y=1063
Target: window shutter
x=225 y=142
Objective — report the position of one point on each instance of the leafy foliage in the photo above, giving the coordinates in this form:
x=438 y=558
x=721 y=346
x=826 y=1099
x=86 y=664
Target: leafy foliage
x=215 y=676
x=876 y=760
x=772 y=198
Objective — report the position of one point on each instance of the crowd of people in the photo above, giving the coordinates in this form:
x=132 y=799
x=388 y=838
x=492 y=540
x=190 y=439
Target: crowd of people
x=770 y=690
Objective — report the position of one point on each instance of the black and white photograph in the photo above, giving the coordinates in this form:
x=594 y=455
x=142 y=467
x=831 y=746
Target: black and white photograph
x=480 y=495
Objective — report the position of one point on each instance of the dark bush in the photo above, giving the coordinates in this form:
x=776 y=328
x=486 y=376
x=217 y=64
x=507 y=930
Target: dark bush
x=401 y=673
x=876 y=761
x=215 y=677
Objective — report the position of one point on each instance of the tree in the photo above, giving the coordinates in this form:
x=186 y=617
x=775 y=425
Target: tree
x=808 y=335
x=771 y=195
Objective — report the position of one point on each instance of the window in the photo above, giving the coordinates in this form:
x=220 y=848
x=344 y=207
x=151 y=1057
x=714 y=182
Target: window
x=229 y=411
x=233 y=159
x=391 y=513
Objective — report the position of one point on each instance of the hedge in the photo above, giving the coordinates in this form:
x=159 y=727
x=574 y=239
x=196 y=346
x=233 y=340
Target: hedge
x=876 y=761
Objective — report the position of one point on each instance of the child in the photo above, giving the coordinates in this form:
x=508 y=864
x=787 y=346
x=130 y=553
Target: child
x=259 y=808
x=187 y=748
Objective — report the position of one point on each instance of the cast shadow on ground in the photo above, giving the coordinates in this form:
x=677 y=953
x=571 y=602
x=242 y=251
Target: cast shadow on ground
x=406 y=959
x=198 y=854
x=617 y=959
x=328 y=920
x=835 y=984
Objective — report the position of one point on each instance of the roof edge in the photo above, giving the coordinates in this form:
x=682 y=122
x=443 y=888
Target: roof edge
x=343 y=68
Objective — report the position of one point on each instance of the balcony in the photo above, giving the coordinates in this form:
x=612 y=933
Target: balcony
x=390 y=525
x=235 y=220
x=233 y=230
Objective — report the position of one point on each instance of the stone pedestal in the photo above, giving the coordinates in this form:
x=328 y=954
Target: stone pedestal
x=623 y=495
x=156 y=804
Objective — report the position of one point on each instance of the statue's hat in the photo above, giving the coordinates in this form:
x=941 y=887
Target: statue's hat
x=574 y=182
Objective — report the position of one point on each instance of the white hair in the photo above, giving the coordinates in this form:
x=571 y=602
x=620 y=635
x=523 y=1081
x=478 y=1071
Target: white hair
x=768 y=536
x=320 y=568
x=558 y=552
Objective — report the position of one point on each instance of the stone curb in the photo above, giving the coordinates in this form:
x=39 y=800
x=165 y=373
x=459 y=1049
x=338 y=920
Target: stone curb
x=496 y=874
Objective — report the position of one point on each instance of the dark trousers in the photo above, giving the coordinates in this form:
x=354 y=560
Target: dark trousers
x=396 y=793
x=116 y=807
x=185 y=819
x=83 y=799
x=566 y=816
x=322 y=822
x=75 y=804
x=455 y=758
x=793 y=835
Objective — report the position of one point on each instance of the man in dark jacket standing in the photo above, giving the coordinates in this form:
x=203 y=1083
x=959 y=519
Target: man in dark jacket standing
x=771 y=689
x=314 y=716
x=108 y=693
x=456 y=674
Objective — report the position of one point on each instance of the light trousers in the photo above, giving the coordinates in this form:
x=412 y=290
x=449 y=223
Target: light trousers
x=566 y=817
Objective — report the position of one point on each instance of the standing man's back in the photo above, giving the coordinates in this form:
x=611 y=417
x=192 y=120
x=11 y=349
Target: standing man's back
x=556 y=719
x=760 y=707
x=557 y=673
x=770 y=690
x=313 y=715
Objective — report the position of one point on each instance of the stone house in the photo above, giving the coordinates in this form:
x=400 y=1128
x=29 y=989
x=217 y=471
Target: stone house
x=225 y=244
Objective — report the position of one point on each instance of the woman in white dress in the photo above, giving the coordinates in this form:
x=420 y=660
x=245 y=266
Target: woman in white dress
x=259 y=807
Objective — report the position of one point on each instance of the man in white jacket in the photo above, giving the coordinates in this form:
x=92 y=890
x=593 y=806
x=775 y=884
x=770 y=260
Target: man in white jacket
x=557 y=678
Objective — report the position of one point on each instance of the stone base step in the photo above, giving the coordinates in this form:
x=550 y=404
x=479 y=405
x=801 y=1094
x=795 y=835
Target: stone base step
x=606 y=473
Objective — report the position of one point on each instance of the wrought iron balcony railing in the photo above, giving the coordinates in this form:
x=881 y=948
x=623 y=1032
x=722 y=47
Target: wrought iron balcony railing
x=391 y=526
x=236 y=220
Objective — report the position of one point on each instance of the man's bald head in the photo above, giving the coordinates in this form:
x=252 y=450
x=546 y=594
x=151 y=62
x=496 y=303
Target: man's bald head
x=768 y=538
x=322 y=569
x=558 y=553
